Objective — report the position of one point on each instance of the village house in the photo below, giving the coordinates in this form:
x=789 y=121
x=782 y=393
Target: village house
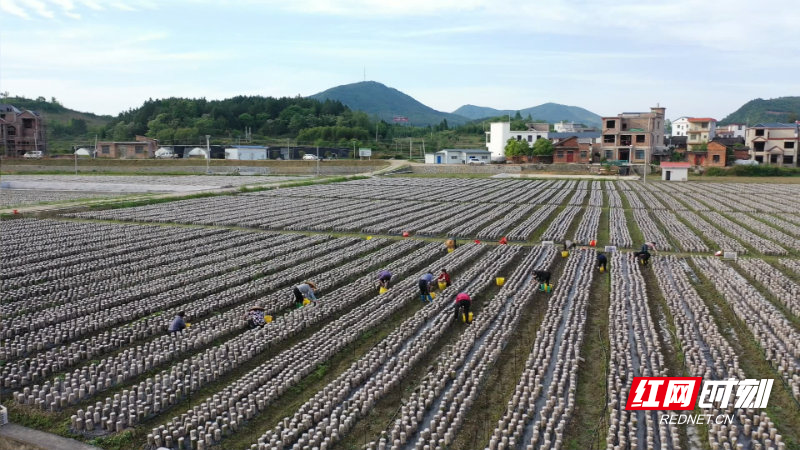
x=141 y=148
x=500 y=132
x=21 y=131
x=572 y=150
x=774 y=143
x=701 y=131
x=637 y=137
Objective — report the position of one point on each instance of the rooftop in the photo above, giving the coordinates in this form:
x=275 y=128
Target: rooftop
x=774 y=125
x=676 y=165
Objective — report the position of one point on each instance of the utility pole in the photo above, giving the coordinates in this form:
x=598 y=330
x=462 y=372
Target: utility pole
x=208 y=155
x=409 y=149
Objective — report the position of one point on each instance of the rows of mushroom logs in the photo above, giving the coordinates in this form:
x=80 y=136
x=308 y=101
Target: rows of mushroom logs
x=777 y=337
x=167 y=347
x=255 y=391
x=433 y=414
x=634 y=352
x=708 y=354
x=164 y=295
x=538 y=412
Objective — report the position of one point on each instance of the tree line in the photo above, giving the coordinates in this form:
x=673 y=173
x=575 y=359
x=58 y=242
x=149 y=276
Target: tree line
x=258 y=120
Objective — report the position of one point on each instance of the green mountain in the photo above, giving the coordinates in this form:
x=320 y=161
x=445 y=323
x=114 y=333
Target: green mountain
x=549 y=112
x=781 y=109
x=380 y=100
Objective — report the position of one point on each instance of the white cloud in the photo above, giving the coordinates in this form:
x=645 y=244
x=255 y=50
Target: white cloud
x=68 y=8
x=74 y=50
x=40 y=8
x=123 y=6
x=11 y=7
x=91 y=4
x=381 y=8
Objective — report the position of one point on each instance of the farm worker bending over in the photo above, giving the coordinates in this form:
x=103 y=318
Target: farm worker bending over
x=568 y=245
x=178 y=324
x=444 y=276
x=384 y=277
x=602 y=260
x=648 y=247
x=542 y=276
x=255 y=317
x=644 y=257
x=463 y=302
x=305 y=290
x=425 y=287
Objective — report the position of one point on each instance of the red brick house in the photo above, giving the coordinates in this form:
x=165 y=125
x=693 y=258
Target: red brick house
x=20 y=131
x=571 y=150
x=714 y=156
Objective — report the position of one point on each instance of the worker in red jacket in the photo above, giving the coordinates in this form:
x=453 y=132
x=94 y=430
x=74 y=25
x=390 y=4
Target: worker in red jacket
x=444 y=276
x=463 y=302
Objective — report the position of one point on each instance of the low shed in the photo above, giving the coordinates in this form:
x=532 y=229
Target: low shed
x=459 y=156
x=675 y=171
x=246 y=152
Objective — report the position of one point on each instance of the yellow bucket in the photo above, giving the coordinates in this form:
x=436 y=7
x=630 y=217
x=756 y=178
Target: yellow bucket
x=564 y=254
x=369 y=237
x=267 y=319
x=433 y=294
x=500 y=281
x=306 y=301
x=442 y=285
x=450 y=250
x=602 y=269
x=382 y=290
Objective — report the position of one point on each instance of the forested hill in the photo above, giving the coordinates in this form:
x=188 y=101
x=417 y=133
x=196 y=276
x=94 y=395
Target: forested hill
x=187 y=120
x=781 y=109
x=379 y=100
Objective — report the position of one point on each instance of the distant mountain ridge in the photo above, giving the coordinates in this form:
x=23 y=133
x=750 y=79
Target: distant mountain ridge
x=549 y=112
x=781 y=109
x=378 y=99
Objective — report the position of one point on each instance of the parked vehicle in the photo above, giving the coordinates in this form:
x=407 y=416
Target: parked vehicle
x=309 y=156
x=475 y=160
x=37 y=154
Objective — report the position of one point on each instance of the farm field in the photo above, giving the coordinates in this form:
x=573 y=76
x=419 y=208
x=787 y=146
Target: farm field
x=87 y=298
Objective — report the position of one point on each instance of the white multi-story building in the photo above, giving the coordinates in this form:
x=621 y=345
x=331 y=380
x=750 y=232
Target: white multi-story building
x=680 y=126
x=733 y=130
x=500 y=132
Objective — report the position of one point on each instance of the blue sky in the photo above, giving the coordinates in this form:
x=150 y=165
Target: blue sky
x=696 y=58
